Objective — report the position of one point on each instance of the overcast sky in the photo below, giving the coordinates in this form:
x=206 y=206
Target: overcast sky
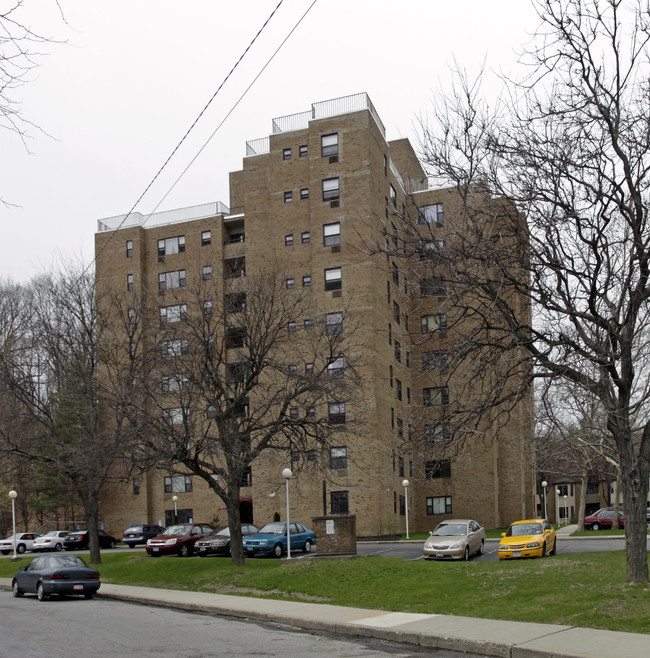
x=116 y=98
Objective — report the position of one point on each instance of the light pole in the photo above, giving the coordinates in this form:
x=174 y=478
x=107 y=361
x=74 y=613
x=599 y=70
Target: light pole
x=544 y=485
x=405 y=484
x=175 y=499
x=566 y=509
x=13 y=495
x=287 y=474
x=558 y=493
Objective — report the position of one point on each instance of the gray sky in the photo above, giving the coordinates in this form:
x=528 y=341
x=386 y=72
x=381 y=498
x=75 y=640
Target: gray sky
x=133 y=75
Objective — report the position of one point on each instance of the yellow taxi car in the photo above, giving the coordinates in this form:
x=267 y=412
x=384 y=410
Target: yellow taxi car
x=529 y=538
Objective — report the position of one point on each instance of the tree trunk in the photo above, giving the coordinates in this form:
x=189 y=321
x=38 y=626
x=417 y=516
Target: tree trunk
x=234 y=523
x=91 y=513
x=617 y=498
x=584 y=479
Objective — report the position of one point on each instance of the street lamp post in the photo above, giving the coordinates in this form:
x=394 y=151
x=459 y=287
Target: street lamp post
x=558 y=493
x=175 y=499
x=13 y=495
x=566 y=509
x=405 y=484
x=287 y=475
x=544 y=485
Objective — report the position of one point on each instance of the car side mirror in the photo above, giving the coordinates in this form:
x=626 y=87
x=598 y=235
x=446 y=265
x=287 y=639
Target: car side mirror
x=23 y=568
x=431 y=533
x=503 y=534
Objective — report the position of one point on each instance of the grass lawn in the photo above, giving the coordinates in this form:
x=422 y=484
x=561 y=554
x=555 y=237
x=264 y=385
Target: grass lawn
x=577 y=589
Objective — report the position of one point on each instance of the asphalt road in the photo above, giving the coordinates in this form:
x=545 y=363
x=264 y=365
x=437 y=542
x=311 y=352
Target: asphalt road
x=106 y=628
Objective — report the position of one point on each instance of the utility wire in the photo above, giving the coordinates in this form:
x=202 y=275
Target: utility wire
x=187 y=134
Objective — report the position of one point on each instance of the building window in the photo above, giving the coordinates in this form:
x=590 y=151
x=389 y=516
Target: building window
x=390 y=373
x=235 y=302
x=396 y=313
x=435 y=323
x=290 y=283
x=331 y=189
x=435 y=360
x=336 y=413
x=305 y=237
x=332 y=234
x=393 y=229
x=292 y=369
x=400 y=428
x=433 y=287
x=207 y=308
x=398 y=352
x=129 y=248
x=335 y=368
x=174 y=313
x=440 y=468
x=293 y=413
x=309 y=368
x=131 y=315
x=400 y=467
x=334 y=324
x=393 y=196
x=338 y=457
x=169 y=280
x=168 y=246
x=291 y=326
x=206 y=238
x=436 y=434
x=286 y=154
x=235 y=237
x=431 y=248
x=136 y=486
x=435 y=396
x=178 y=484
x=398 y=389
x=172 y=348
x=207 y=272
x=130 y=285
x=309 y=325
x=333 y=279
x=395 y=274
x=304 y=193
x=288 y=196
x=302 y=150
x=438 y=505
x=288 y=240
x=433 y=214
x=171 y=383
x=339 y=502
x=175 y=415
x=235 y=267
x=329 y=145
x=306 y=281
x=390 y=334
x=235 y=337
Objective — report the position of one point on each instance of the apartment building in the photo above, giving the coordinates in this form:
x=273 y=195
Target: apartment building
x=324 y=197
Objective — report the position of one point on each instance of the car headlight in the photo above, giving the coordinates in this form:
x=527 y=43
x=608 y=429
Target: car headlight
x=170 y=541
x=533 y=544
x=458 y=544
x=503 y=547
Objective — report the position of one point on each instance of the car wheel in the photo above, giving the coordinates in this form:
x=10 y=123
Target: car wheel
x=131 y=545
x=40 y=593
x=277 y=550
x=5 y=552
x=554 y=549
x=595 y=526
x=111 y=544
x=20 y=548
x=185 y=550
x=58 y=547
x=307 y=547
x=481 y=547
x=466 y=556
x=88 y=595
x=154 y=554
x=544 y=550
x=16 y=590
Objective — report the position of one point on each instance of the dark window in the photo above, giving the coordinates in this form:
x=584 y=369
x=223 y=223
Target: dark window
x=168 y=246
x=438 y=505
x=290 y=283
x=336 y=413
x=130 y=285
x=332 y=234
x=207 y=272
x=136 y=486
x=334 y=324
x=235 y=302
x=339 y=502
x=398 y=389
x=235 y=337
x=288 y=196
x=302 y=150
x=436 y=434
x=338 y=457
x=178 y=483
x=292 y=369
x=335 y=368
x=288 y=240
x=433 y=287
x=169 y=280
x=247 y=478
x=309 y=325
x=309 y=368
x=291 y=327
x=395 y=274
x=206 y=238
x=436 y=323
x=286 y=154
x=396 y=313
x=432 y=214
x=400 y=467
x=180 y=516
x=235 y=267
x=440 y=468
x=304 y=193
x=333 y=279
x=393 y=196
x=398 y=352
x=400 y=428
x=394 y=234
x=331 y=190
x=306 y=281
x=172 y=348
x=304 y=237
x=435 y=396
x=436 y=360
x=329 y=145
x=129 y=248
x=293 y=412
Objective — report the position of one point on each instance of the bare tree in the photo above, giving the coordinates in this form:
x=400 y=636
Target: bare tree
x=240 y=373
x=569 y=149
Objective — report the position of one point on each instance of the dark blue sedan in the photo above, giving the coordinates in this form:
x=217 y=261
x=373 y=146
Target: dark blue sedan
x=272 y=539
x=56 y=574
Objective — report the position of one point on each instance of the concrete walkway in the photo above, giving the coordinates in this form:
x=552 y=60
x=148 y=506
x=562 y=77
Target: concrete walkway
x=483 y=636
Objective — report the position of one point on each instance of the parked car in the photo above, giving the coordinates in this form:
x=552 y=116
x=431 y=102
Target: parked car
x=178 y=539
x=56 y=574
x=219 y=542
x=603 y=519
x=24 y=542
x=139 y=534
x=529 y=538
x=272 y=539
x=456 y=539
x=50 y=541
x=78 y=540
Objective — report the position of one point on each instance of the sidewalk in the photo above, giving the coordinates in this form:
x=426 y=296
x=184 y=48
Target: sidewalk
x=484 y=636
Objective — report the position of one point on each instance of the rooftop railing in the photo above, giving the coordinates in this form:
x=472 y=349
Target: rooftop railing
x=162 y=218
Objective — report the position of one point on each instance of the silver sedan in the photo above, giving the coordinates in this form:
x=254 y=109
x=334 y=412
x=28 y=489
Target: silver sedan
x=455 y=539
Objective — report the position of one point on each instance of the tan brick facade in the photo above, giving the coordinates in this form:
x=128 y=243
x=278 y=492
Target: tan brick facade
x=490 y=480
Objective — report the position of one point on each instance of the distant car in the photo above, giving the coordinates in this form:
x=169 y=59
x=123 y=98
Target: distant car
x=50 y=541
x=529 y=538
x=178 y=539
x=78 y=540
x=24 y=542
x=219 y=543
x=272 y=539
x=456 y=539
x=139 y=534
x=56 y=574
x=603 y=519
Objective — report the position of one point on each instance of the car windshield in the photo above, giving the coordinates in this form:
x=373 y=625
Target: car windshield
x=10 y=537
x=53 y=533
x=135 y=528
x=523 y=529
x=450 y=530
x=178 y=530
x=274 y=529
x=65 y=561
x=225 y=532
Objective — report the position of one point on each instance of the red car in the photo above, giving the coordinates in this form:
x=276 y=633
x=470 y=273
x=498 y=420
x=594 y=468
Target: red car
x=178 y=539
x=603 y=518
